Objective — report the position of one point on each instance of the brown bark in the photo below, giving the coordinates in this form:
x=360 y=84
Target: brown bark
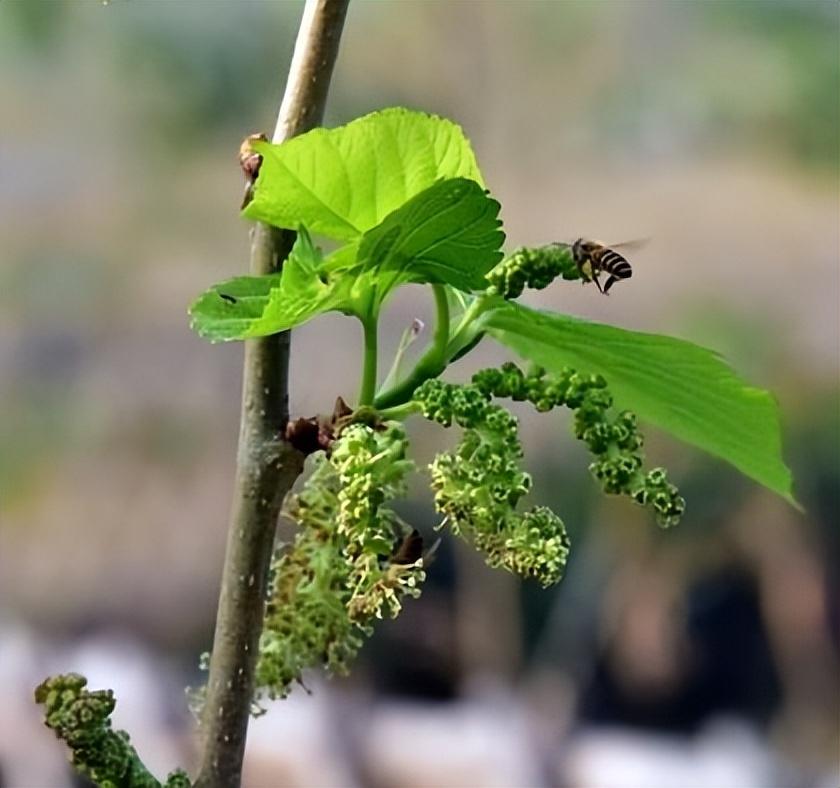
x=267 y=466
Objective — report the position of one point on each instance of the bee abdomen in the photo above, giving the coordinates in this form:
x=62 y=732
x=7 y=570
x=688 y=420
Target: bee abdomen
x=613 y=263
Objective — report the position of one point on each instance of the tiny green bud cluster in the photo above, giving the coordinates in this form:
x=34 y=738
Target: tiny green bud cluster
x=479 y=484
x=533 y=267
x=613 y=438
x=337 y=578
x=83 y=720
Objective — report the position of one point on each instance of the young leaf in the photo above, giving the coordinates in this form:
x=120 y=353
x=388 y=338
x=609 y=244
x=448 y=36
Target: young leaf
x=342 y=182
x=447 y=234
x=681 y=387
x=255 y=306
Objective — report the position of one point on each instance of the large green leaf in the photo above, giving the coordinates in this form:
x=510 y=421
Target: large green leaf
x=254 y=306
x=684 y=389
x=342 y=182
x=447 y=234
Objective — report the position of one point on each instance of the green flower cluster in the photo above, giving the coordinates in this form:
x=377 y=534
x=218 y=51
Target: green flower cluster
x=533 y=267
x=613 y=438
x=338 y=576
x=82 y=719
x=478 y=485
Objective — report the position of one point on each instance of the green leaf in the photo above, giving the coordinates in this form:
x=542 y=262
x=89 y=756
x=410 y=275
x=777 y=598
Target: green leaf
x=447 y=234
x=342 y=182
x=685 y=389
x=229 y=309
x=254 y=306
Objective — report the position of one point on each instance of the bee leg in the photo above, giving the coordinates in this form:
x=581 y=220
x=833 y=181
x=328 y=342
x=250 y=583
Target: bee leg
x=598 y=284
x=612 y=280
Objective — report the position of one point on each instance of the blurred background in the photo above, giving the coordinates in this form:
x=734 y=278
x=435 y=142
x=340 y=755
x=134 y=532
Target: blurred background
x=706 y=656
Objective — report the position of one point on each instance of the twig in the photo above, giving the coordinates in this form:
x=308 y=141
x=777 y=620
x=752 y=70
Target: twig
x=267 y=466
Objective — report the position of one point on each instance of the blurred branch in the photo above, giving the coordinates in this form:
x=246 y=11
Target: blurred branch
x=267 y=466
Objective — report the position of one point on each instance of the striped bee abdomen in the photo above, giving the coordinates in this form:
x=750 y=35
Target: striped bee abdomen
x=616 y=266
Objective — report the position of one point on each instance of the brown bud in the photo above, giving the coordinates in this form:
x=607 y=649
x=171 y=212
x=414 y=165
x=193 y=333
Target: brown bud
x=250 y=161
x=341 y=410
x=304 y=435
x=409 y=549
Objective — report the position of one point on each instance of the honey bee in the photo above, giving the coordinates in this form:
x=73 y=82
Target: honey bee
x=593 y=257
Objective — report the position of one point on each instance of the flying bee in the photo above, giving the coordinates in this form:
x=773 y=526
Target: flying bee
x=593 y=257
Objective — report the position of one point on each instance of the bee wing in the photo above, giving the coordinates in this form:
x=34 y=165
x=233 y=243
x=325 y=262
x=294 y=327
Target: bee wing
x=429 y=555
x=629 y=246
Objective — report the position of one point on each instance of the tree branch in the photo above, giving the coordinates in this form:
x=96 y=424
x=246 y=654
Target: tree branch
x=267 y=466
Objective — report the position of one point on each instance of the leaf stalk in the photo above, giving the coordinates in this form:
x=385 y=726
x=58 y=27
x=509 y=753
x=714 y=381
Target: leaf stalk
x=370 y=325
x=431 y=363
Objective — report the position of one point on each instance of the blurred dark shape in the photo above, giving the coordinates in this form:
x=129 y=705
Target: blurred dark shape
x=815 y=453
x=726 y=666
x=729 y=644
x=416 y=655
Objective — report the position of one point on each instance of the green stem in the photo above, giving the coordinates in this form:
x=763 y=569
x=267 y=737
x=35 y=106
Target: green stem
x=465 y=334
x=432 y=362
x=400 y=412
x=406 y=341
x=368 y=386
